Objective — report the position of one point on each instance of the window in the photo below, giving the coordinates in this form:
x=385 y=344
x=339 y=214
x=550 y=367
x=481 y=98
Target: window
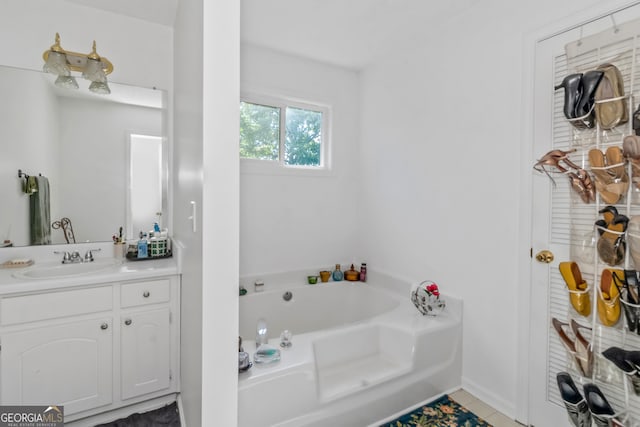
x=288 y=134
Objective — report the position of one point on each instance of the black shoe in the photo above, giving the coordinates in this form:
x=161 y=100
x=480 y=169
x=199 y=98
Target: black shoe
x=626 y=362
x=584 y=108
x=600 y=409
x=576 y=405
x=629 y=299
x=572 y=85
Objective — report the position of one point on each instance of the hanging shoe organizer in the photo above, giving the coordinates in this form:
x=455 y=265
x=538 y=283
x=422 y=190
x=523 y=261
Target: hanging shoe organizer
x=604 y=246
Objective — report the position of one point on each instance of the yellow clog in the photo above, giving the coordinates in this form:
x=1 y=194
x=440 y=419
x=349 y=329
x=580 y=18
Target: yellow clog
x=609 y=297
x=578 y=288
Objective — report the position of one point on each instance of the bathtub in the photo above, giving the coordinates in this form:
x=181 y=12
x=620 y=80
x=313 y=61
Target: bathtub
x=360 y=352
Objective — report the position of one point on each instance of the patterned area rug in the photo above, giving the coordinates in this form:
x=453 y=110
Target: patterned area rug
x=442 y=412
x=166 y=416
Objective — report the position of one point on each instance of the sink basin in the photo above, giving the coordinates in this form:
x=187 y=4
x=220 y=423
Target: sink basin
x=59 y=270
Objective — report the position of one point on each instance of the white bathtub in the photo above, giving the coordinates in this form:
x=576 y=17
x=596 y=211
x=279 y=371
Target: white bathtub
x=361 y=352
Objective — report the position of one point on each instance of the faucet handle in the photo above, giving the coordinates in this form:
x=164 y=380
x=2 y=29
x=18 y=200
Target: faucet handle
x=66 y=257
x=88 y=257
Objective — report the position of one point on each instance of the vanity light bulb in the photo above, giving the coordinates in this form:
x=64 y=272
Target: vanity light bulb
x=68 y=82
x=101 y=88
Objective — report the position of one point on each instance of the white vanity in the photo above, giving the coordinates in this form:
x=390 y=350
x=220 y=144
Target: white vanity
x=94 y=342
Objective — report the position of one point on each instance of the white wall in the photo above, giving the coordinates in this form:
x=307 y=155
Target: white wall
x=441 y=151
x=141 y=52
x=24 y=145
x=297 y=222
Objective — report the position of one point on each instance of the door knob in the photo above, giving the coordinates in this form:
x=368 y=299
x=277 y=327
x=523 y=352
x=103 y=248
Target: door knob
x=545 y=256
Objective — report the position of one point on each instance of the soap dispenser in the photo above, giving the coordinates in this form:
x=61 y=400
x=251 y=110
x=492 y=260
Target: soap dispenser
x=337 y=274
x=143 y=247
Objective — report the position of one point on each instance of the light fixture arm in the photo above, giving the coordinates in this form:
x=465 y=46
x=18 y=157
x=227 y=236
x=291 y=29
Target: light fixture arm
x=78 y=61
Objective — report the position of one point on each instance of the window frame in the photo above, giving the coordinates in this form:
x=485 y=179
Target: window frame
x=260 y=166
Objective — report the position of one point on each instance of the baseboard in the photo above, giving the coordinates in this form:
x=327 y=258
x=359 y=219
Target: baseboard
x=497 y=402
x=183 y=423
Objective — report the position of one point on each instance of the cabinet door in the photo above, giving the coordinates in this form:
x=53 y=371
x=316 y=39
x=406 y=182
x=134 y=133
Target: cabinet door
x=68 y=364
x=145 y=352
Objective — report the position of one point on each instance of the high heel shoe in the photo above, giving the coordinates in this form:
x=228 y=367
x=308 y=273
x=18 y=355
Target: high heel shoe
x=577 y=407
x=628 y=290
x=579 y=179
x=620 y=358
x=601 y=411
x=583 y=360
x=584 y=354
x=572 y=85
x=585 y=107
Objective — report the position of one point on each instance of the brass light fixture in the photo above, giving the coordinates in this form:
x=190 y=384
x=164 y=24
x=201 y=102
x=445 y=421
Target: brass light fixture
x=92 y=66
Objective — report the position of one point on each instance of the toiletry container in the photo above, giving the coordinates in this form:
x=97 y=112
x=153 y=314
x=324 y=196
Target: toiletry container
x=143 y=247
x=337 y=274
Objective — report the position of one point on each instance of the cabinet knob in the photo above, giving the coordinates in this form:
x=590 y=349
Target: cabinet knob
x=104 y=326
x=146 y=294
x=127 y=322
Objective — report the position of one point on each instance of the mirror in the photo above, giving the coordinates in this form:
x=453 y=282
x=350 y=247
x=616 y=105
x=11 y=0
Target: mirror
x=81 y=143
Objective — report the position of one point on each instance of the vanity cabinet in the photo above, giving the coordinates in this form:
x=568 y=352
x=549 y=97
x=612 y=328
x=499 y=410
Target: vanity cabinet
x=69 y=364
x=92 y=349
x=145 y=361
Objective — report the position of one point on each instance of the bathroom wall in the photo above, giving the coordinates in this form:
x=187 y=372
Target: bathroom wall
x=141 y=52
x=441 y=151
x=24 y=145
x=291 y=222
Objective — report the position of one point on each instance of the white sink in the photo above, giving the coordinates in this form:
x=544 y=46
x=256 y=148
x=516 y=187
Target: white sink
x=58 y=270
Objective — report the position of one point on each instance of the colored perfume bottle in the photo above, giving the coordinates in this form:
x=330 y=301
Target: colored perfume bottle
x=337 y=274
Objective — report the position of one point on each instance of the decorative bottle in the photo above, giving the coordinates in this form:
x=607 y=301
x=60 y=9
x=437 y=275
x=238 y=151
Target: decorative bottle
x=363 y=272
x=337 y=274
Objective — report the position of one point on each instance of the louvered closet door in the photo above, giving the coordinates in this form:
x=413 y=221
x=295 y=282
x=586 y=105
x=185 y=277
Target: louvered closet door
x=564 y=224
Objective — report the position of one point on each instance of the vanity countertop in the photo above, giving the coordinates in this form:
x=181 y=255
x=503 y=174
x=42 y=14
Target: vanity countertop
x=12 y=282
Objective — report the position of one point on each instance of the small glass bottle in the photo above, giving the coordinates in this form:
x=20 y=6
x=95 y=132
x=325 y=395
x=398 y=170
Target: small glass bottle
x=363 y=272
x=337 y=274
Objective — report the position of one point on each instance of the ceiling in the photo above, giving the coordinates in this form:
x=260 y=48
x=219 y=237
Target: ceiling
x=159 y=11
x=348 y=33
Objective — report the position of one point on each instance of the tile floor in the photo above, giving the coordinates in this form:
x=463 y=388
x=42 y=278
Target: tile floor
x=482 y=410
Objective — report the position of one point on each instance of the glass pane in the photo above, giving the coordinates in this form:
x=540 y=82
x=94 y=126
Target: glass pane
x=303 y=137
x=259 y=131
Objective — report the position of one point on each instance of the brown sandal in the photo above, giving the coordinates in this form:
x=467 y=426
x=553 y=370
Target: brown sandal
x=578 y=178
x=611 y=104
x=610 y=174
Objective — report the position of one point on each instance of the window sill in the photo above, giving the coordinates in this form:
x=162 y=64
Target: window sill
x=262 y=167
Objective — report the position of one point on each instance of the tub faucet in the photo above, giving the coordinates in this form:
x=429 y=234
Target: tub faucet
x=261 y=333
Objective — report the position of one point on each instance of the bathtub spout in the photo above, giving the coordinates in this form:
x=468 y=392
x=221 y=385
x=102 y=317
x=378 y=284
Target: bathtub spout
x=261 y=333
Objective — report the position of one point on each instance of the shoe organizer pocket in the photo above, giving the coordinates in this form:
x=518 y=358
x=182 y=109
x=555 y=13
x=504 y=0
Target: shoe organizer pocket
x=610 y=246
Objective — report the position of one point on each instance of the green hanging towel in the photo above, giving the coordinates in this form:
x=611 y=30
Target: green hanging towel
x=31 y=185
x=39 y=212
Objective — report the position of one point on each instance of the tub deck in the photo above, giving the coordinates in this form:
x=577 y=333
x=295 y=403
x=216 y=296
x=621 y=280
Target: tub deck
x=357 y=373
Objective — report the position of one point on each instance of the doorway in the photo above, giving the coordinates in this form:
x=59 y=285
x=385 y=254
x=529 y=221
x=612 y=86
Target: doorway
x=563 y=224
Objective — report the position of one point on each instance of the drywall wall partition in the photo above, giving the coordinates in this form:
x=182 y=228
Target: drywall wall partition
x=441 y=149
x=300 y=221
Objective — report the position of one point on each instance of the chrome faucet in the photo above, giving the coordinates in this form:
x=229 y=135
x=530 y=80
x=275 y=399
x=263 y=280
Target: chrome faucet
x=261 y=333
x=76 y=257
x=69 y=257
